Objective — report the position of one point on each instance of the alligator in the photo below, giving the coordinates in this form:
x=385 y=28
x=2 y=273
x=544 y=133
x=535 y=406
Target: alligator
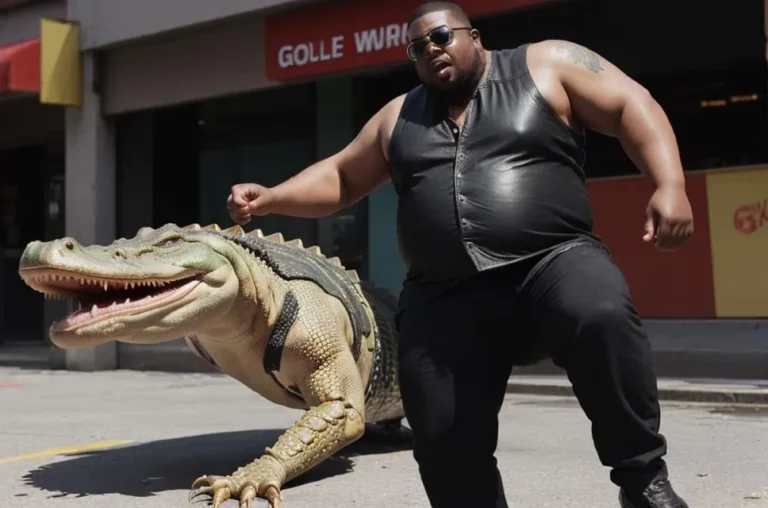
x=285 y=320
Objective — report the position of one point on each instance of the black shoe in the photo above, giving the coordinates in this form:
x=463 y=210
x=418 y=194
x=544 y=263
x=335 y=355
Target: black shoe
x=659 y=494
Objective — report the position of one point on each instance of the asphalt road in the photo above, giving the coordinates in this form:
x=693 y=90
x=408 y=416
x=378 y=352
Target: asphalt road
x=134 y=439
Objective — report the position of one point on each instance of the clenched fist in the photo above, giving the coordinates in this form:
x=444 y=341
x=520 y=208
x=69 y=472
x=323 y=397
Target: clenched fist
x=247 y=199
x=669 y=218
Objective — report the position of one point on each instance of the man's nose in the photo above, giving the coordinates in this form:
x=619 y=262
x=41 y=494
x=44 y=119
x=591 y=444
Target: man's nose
x=432 y=50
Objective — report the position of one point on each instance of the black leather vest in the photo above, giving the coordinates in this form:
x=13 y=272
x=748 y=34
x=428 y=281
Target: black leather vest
x=507 y=186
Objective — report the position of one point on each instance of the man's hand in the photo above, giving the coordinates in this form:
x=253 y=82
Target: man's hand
x=669 y=218
x=247 y=199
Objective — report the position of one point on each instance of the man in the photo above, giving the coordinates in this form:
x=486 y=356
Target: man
x=503 y=267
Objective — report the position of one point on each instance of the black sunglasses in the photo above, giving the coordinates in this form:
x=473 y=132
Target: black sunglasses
x=440 y=36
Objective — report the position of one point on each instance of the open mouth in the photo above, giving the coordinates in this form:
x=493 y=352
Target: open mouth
x=101 y=298
x=439 y=67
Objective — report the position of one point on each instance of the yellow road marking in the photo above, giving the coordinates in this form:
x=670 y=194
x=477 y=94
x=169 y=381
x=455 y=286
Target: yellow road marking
x=99 y=445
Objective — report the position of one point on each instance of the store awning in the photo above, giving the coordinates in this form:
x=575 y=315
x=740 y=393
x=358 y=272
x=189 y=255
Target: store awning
x=20 y=67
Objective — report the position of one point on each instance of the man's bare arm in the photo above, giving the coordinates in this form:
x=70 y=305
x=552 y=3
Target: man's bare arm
x=604 y=99
x=340 y=180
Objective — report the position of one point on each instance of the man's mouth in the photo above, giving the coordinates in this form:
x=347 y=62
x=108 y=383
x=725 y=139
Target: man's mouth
x=98 y=298
x=440 y=68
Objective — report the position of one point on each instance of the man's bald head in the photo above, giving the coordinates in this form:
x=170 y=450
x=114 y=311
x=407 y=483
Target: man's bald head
x=432 y=6
x=446 y=50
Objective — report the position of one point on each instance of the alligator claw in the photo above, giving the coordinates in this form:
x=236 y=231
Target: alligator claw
x=246 y=496
x=222 y=488
x=221 y=495
x=199 y=492
x=274 y=497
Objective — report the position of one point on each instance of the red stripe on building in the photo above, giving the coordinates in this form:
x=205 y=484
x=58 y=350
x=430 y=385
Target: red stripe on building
x=331 y=37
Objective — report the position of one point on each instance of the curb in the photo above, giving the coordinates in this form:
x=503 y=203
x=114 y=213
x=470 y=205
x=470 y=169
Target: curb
x=742 y=395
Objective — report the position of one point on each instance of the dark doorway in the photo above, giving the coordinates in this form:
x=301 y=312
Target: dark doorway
x=22 y=220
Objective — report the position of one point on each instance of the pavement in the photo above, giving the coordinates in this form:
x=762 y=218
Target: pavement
x=138 y=439
x=723 y=391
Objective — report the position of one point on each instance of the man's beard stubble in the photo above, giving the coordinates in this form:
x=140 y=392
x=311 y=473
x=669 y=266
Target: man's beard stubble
x=459 y=91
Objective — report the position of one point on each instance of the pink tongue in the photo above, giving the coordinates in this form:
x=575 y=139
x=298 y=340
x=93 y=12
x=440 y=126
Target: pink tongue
x=100 y=309
x=108 y=307
x=104 y=308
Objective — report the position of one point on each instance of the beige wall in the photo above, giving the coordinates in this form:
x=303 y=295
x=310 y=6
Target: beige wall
x=222 y=59
x=112 y=22
x=23 y=22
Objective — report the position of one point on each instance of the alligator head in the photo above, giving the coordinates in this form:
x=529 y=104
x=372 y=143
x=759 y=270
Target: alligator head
x=159 y=285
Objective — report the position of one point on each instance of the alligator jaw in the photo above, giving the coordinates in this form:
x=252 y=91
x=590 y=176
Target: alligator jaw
x=100 y=299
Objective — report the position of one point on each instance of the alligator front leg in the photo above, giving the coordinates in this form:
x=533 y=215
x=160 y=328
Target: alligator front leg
x=335 y=420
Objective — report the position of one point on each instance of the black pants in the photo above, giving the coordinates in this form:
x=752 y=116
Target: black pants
x=457 y=352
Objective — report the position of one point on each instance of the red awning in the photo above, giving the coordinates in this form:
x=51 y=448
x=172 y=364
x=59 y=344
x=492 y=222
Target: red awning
x=20 y=67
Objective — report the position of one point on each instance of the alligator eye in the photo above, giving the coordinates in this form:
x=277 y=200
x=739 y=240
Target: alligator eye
x=168 y=242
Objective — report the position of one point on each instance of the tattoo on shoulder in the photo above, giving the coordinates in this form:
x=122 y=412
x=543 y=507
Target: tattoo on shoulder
x=581 y=55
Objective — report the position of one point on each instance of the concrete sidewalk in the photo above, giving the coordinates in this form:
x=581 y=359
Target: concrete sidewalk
x=678 y=390
x=543 y=379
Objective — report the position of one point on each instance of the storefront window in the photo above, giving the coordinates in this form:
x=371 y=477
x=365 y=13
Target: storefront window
x=264 y=137
x=712 y=88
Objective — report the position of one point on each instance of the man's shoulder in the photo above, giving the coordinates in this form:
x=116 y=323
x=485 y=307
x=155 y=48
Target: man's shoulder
x=557 y=51
x=390 y=113
x=392 y=108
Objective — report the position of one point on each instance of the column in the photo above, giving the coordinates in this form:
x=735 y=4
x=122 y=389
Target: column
x=90 y=194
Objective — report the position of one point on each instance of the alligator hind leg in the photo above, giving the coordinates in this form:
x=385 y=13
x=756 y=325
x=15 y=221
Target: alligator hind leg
x=392 y=431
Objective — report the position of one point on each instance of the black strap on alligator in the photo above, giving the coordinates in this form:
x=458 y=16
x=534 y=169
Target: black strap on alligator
x=293 y=263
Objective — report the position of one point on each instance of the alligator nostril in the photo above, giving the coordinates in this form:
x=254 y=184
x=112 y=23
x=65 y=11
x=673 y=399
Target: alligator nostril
x=120 y=254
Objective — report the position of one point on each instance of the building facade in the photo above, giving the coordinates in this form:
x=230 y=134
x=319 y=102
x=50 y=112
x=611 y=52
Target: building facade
x=178 y=104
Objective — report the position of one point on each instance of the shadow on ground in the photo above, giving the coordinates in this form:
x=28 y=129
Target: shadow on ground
x=148 y=468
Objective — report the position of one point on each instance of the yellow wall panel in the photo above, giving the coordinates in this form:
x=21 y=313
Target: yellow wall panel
x=738 y=217
x=60 y=63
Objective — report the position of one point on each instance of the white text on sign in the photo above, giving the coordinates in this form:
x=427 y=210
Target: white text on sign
x=366 y=41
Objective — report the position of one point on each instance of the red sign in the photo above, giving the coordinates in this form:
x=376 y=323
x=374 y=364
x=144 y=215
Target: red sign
x=337 y=36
